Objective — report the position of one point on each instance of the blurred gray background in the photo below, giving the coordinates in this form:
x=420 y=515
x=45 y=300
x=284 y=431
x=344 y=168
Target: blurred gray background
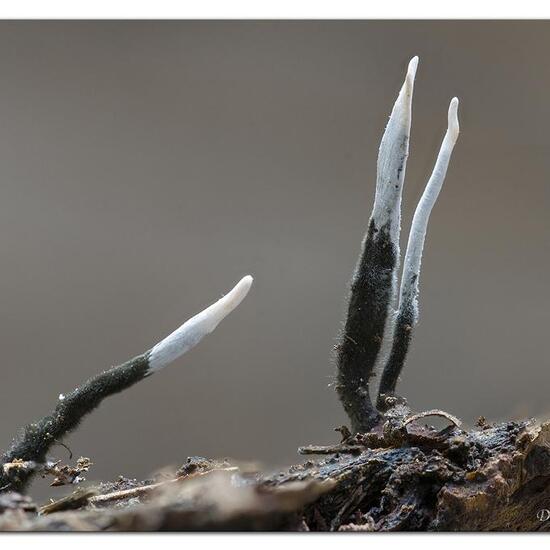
x=147 y=166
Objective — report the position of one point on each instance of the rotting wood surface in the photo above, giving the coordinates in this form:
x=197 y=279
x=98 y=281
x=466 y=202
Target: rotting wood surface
x=405 y=477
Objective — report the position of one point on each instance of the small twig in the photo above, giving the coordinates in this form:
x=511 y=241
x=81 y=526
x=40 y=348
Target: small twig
x=330 y=449
x=75 y=500
x=433 y=412
x=146 y=489
x=129 y=493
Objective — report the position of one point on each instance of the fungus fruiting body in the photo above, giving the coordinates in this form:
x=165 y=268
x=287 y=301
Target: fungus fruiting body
x=407 y=312
x=36 y=438
x=373 y=285
x=373 y=294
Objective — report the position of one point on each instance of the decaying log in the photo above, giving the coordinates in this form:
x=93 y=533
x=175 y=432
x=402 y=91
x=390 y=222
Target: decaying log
x=405 y=476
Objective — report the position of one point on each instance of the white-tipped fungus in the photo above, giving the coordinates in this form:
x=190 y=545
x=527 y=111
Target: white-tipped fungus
x=392 y=159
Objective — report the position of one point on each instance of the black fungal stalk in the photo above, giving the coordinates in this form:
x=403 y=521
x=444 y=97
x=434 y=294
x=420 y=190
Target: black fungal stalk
x=369 y=302
x=373 y=285
x=36 y=438
x=406 y=319
x=373 y=288
x=28 y=451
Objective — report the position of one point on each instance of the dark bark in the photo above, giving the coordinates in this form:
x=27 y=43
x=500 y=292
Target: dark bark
x=402 y=477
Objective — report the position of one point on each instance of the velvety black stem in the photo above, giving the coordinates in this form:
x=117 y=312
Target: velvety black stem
x=402 y=336
x=361 y=339
x=35 y=439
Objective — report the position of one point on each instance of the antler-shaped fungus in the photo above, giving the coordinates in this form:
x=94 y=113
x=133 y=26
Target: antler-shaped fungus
x=36 y=438
x=373 y=285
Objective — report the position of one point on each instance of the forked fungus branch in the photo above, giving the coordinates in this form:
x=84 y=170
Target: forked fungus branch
x=373 y=287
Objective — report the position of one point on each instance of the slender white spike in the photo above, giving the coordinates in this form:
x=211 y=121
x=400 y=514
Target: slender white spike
x=390 y=178
x=392 y=159
x=417 y=235
x=196 y=328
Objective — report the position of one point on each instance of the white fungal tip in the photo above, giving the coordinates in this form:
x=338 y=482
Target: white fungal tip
x=417 y=235
x=239 y=292
x=452 y=117
x=413 y=65
x=411 y=74
x=392 y=158
x=195 y=329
